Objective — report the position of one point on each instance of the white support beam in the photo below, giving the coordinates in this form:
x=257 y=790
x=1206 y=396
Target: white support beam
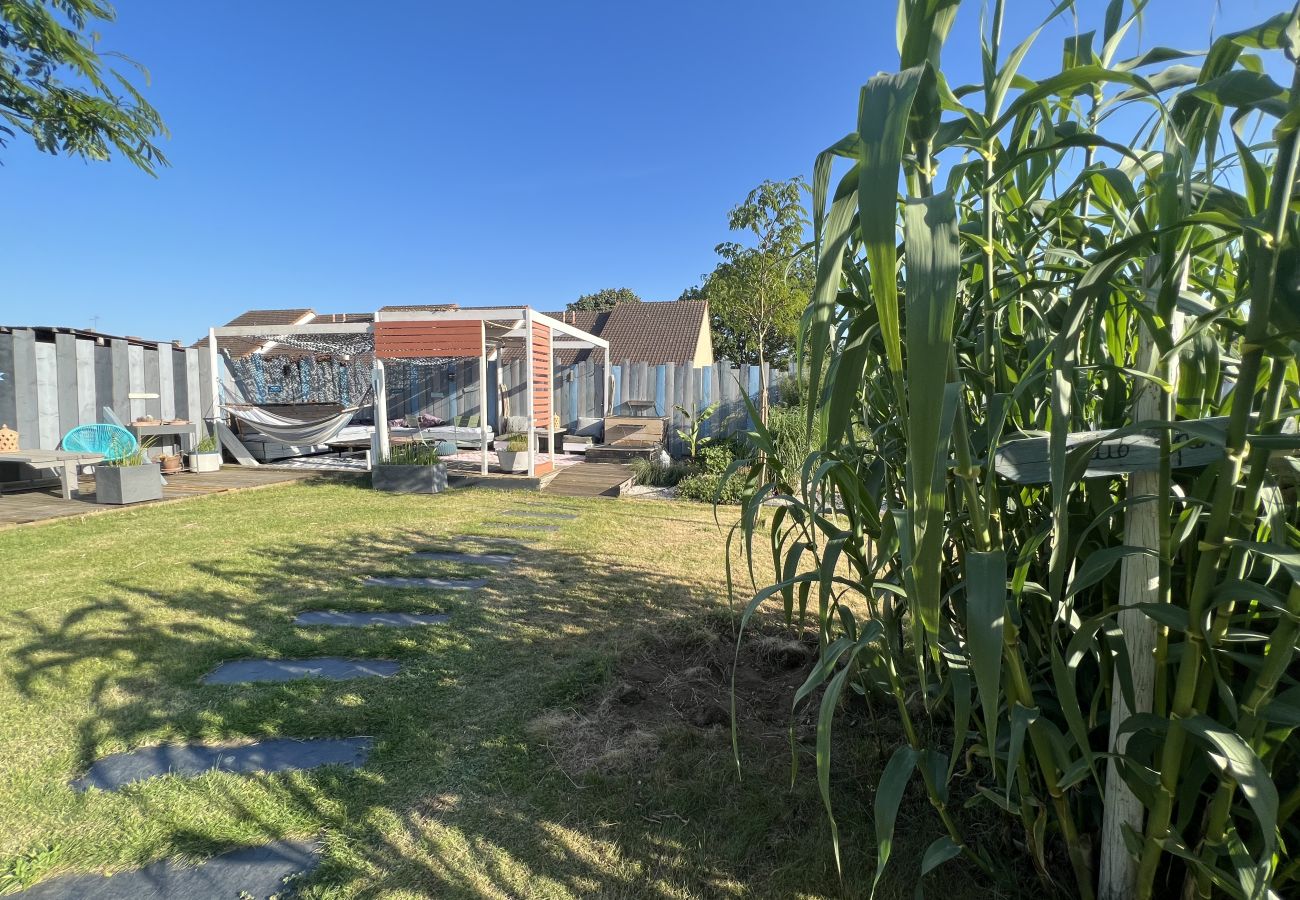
x=214 y=369
x=483 y=400
x=487 y=314
x=270 y=331
x=550 y=388
x=572 y=331
x=528 y=393
x=379 y=443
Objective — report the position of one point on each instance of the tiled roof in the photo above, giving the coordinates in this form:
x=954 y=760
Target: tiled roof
x=242 y=346
x=649 y=332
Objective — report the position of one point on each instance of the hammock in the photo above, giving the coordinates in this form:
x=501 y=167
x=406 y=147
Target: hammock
x=293 y=431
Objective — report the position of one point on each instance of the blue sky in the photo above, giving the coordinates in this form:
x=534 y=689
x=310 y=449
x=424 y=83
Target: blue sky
x=343 y=156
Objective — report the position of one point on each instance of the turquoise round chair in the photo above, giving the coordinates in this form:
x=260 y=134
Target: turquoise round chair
x=109 y=441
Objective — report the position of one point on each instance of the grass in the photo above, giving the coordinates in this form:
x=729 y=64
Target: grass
x=479 y=785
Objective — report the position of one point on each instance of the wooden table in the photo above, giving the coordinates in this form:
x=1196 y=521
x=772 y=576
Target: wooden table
x=186 y=432
x=64 y=462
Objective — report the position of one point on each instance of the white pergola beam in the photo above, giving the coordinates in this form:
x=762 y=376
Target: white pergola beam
x=270 y=331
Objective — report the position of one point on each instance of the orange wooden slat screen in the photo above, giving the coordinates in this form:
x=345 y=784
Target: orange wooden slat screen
x=443 y=337
x=542 y=376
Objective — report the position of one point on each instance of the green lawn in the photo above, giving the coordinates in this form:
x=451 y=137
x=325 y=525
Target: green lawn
x=558 y=738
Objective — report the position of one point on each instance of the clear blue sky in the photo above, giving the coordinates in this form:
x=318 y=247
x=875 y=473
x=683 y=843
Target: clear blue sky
x=343 y=156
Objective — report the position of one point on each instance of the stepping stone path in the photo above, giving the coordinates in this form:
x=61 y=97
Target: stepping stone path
x=523 y=525
x=446 y=584
x=469 y=559
x=331 y=668
x=259 y=872
x=363 y=619
x=539 y=513
x=277 y=755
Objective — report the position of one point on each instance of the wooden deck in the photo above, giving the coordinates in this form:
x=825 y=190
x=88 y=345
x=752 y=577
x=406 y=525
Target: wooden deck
x=590 y=479
x=26 y=507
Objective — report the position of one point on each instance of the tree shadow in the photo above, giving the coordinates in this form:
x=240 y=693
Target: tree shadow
x=456 y=799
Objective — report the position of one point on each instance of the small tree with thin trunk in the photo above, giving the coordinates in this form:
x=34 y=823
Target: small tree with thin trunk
x=757 y=293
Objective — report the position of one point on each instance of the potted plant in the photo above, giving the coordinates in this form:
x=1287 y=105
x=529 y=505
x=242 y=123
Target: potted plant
x=513 y=456
x=415 y=468
x=133 y=478
x=206 y=457
x=170 y=463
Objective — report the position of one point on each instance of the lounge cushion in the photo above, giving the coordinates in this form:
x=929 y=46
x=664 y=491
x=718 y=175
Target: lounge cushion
x=589 y=426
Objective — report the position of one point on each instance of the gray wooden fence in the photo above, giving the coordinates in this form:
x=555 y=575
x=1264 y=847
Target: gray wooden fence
x=53 y=381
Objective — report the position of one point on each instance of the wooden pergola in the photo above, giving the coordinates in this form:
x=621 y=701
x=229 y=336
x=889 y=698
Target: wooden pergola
x=482 y=333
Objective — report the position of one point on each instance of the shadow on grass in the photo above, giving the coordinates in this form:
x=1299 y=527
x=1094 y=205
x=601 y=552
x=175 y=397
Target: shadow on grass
x=456 y=799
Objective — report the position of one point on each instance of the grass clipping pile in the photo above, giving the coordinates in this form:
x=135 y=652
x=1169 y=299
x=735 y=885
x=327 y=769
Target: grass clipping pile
x=683 y=680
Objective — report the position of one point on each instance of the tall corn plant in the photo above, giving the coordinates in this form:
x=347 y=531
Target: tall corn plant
x=1029 y=255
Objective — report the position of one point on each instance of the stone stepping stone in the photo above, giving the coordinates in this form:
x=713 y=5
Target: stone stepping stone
x=524 y=525
x=539 y=513
x=363 y=619
x=331 y=668
x=277 y=755
x=446 y=584
x=468 y=559
x=258 y=872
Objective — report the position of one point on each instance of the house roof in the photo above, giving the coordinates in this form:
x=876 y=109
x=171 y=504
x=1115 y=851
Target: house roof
x=648 y=332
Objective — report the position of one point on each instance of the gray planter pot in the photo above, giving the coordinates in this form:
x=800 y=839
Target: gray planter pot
x=513 y=460
x=410 y=479
x=206 y=462
x=128 y=484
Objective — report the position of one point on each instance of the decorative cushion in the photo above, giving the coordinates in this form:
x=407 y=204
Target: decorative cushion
x=427 y=421
x=590 y=427
x=467 y=420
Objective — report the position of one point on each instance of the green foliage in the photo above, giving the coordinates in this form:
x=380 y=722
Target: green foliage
x=209 y=444
x=757 y=293
x=1058 y=273
x=414 y=453
x=657 y=473
x=55 y=88
x=516 y=442
x=710 y=487
x=604 y=299
x=695 y=419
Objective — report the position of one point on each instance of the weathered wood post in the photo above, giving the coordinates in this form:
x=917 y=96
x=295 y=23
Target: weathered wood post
x=1139 y=583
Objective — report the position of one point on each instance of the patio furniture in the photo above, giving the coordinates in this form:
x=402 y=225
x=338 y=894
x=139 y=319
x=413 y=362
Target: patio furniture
x=63 y=462
x=109 y=442
x=187 y=433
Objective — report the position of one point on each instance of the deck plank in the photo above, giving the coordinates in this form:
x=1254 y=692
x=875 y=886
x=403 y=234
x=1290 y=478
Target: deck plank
x=28 y=507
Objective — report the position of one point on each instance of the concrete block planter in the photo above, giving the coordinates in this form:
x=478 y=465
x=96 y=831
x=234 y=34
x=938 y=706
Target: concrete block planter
x=410 y=479
x=120 y=485
x=206 y=462
x=513 y=460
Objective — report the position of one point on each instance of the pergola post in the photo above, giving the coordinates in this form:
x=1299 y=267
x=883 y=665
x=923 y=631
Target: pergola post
x=483 y=397
x=528 y=391
x=214 y=364
x=550 y=387
x=608 y=385
x=379 y=447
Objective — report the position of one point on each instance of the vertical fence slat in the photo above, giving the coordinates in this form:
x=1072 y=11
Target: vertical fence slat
x=47 y=396
x=68 y=374
x=87 y=411
x=166 y=388
x=27 y=419
x=8 y=383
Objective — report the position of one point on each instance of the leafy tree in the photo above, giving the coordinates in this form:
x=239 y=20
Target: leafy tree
x=605 y=299
x=757 y=293
x=55 y=87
